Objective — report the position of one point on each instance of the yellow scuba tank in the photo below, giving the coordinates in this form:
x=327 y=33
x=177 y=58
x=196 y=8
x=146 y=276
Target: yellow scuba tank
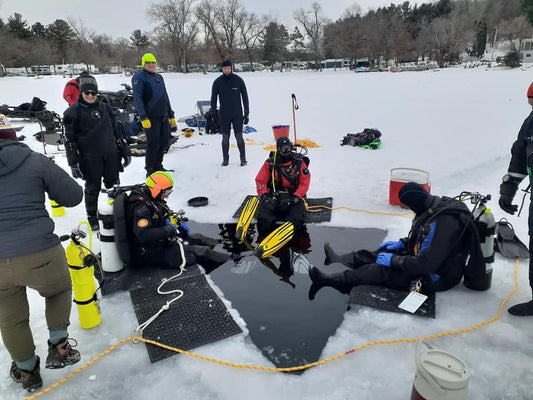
x=81 y=266
x=57 y=210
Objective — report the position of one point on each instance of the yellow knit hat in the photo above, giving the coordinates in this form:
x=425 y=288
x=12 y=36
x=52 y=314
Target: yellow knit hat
x=148 y=57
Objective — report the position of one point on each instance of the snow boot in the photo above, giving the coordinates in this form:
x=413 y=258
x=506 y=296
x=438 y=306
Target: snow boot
x=30 y=380
x=522 y=309
x=62 y=354
x=339 y=281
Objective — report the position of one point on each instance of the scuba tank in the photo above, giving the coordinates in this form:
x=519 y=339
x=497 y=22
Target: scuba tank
x=111 y=261
x=81 y=261
x=486 y=226
x=57 y=210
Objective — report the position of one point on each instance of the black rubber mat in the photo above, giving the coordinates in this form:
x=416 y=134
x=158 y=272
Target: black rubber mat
x=130 y=278
x=197 y=318
x=321 y=215
x=388 y=299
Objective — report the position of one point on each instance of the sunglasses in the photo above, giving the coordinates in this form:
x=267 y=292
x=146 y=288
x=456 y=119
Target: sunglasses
x=90 y=93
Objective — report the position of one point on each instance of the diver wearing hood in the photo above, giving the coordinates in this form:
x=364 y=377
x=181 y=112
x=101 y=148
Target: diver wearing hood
x=436 y=251
x=282 y=183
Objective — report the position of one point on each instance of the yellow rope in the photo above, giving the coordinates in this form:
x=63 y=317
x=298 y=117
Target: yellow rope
x=317 y=208
x=291 y=369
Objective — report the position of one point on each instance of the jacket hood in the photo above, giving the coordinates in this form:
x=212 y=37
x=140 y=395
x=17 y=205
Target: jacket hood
x=12 y=154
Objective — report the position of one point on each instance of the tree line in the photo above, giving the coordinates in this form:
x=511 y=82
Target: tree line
x=208 y=31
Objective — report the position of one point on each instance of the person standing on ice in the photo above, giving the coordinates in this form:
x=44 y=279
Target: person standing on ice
x=520 y=167
x=153 y=106
x=230 y=88
x=31 y=256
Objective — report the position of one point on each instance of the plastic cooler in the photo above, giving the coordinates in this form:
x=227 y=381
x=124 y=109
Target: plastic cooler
x=400 y=176
x=280 y=131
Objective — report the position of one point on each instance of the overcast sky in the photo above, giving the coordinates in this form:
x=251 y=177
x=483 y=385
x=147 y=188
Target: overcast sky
x=118 y=18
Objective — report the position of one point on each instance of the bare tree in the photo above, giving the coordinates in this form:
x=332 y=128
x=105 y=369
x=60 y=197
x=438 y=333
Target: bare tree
x=515 y=30
x=206 y=12
x=313 y=22
x=252 y=29
x=229 y=16
x=176 y=23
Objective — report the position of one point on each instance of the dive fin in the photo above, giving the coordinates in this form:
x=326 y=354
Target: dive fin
x=247 y=214
x=507 y=243
x=276 y=240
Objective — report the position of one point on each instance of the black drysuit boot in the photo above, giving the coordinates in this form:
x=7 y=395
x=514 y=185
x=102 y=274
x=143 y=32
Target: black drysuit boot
x=208 y=258
x=522 y=309
x=340 y=281
x=332 y=257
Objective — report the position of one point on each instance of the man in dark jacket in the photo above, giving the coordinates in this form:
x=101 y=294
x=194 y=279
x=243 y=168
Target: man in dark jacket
x=93 y=144
x=282 y=184
x=441 y=239
x=155 y=232
x=153 y=106
x=519 y=167
x=229 y=89
x=32 y=256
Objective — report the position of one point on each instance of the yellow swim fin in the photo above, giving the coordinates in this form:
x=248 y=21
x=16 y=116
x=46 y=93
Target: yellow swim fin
x=276 y=240
x=247 y=214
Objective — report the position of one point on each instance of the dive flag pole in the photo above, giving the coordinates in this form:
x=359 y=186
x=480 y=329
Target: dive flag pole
x=294 y=107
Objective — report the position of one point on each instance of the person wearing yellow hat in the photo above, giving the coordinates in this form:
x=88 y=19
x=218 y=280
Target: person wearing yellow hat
x=156 y=239
x=153 y=106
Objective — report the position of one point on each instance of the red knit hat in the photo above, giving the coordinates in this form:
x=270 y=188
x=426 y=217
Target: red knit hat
x=530 y=91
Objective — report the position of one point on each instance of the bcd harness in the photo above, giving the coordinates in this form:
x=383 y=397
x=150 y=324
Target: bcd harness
x=290 y=172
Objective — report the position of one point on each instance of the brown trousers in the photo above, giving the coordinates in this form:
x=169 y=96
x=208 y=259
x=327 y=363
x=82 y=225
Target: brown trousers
x=47 y=273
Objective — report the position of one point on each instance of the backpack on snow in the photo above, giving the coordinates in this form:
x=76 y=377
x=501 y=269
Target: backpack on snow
x=369 y=137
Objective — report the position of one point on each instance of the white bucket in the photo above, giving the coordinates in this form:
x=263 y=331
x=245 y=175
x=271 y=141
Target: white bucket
x=439 y=376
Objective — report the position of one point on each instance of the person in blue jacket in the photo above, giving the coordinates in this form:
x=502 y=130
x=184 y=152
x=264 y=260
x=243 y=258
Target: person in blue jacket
x=153 y=106
x=229 y=88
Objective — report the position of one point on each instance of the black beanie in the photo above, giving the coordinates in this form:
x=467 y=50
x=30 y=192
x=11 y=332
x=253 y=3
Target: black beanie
x=414 y=196
x=226 y=63
x=87 y=82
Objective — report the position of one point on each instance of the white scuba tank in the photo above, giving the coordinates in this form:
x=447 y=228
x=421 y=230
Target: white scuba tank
x=486 y=224
x=111 y=261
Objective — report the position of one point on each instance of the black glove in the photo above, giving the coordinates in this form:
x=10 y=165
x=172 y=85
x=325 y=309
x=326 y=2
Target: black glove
x=126 y=160
x=508 y=189
x=268 y=202
x=245 y=119
x=76 y=171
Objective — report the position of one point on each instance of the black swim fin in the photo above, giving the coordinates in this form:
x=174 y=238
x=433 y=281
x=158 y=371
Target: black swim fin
x=507 y=243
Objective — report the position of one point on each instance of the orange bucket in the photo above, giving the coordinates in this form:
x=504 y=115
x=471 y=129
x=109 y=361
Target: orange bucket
x=280 y=131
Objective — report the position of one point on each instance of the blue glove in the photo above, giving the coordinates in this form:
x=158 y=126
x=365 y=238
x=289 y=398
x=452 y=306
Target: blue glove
x=393 y=245
x=167 y=222
x=384 y=259
x=184 y=229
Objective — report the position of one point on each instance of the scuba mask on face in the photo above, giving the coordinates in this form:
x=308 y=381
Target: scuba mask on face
x=285 y=150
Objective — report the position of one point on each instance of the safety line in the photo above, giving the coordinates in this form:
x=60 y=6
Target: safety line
x=313 y=209
x=290 y=369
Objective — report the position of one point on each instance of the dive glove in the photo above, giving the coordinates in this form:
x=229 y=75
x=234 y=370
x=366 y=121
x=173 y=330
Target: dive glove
x=268 y=202
x=392 y=245
x=184 y=229
x=173 y=125
x=245 y=119
x=126 y=160
x=508 y=189
x=146 y=124
x=384 y=259
x=76 y=171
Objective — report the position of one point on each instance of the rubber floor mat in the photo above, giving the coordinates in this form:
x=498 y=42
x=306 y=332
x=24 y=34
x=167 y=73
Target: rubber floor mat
x=388 y=299
x=321 y=215
x=197 y=318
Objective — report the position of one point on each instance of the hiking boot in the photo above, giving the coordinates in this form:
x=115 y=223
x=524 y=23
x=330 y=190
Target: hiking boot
x=522 y=309
x=30 y=380
x=62 y=354
x=93 y=221
x=225 y=163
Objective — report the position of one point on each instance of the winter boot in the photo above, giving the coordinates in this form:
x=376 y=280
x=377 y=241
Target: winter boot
x=62 y=354
x=207 y=257
x=339 y=281
x=30 y=380
x=332 y=257
x=93 y=221
x=225 y=163
x=522 y=310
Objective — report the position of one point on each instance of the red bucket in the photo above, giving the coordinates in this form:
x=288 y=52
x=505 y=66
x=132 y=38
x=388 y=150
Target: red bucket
x=280 y=131
x=400 y=176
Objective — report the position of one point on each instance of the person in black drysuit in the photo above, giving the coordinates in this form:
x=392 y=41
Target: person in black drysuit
x=93 y=144
x=520 y=167
x=229 y=88
x=442 y=236
x=153 y=238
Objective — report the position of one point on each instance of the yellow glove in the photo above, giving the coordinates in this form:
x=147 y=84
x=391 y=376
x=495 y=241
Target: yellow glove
x=173 y=124
x=146 y=123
